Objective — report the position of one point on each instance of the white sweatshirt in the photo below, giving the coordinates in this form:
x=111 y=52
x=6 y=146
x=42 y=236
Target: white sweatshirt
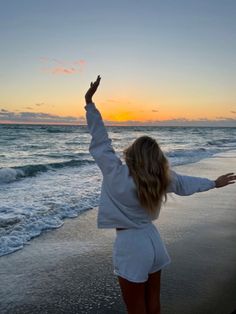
x=119 y=206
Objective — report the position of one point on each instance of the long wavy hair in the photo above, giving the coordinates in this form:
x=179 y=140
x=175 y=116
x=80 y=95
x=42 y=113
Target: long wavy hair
x=150 y=170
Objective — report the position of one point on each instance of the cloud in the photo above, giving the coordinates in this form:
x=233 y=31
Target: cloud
x=225 y=118
x=62 y=67
x=39 y=104
x=37 y=117
x=80 y=62
x=233 y=111
x=62 y=70
x=201 y=122
x=154 y=110
x=47 y=118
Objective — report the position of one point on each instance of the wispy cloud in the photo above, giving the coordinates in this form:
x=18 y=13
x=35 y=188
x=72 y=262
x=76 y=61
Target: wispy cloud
x=62 y=70
x=60 y=67
x=80 y=62
x=37 y=117
x=233 y=111
x=225 y=118
x=154 y=110
x=39 y=104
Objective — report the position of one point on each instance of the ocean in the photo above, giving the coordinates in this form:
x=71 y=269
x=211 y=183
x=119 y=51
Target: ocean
x=47 y=173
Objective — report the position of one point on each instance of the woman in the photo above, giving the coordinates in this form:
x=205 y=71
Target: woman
x=131 y=197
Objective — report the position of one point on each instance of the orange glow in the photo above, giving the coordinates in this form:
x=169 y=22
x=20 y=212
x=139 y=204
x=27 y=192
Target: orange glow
x=117 y=104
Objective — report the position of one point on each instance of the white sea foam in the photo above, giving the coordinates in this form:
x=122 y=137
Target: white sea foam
x=9 y=175
x=40 y=203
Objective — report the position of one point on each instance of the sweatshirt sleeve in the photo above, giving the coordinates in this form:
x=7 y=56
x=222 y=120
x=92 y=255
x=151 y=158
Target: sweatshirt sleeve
x=187 y=185
x=100 y=147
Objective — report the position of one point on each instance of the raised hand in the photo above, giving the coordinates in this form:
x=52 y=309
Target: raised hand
x=91 y=91
x=224 y=180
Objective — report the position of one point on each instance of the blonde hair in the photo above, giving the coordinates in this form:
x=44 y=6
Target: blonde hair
x=150 y=170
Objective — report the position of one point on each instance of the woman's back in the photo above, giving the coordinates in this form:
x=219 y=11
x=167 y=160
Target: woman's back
x=119 y=205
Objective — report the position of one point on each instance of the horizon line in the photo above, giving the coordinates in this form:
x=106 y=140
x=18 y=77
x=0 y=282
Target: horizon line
x=121 y=125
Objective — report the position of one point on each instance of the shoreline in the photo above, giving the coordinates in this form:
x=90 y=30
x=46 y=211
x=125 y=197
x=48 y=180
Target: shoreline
x=69 y=270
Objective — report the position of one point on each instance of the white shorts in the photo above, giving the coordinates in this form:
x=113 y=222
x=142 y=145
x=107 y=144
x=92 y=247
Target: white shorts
x=139 y=252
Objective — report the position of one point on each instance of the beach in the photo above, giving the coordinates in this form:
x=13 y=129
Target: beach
x=69 y=270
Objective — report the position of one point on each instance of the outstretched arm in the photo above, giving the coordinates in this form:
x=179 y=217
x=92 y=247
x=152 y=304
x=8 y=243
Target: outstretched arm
x=188 y=185
x=100 y=147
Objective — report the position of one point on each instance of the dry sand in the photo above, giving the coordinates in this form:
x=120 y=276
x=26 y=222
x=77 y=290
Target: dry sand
x=69 y=270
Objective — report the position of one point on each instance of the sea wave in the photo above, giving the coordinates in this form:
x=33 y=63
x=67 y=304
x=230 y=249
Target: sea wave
x=26 y=212
x=8 y=175
x=222 y=142
x=28 y=229
x=186 y=156
x=60 y=130
x=60 y=155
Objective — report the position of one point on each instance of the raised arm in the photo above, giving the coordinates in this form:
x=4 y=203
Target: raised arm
x=100 y=147
x=188 y=185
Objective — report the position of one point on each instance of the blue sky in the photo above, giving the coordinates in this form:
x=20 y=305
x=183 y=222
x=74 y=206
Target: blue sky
x=175 y=57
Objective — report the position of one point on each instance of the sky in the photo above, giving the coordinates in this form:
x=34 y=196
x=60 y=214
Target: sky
x=166 y=62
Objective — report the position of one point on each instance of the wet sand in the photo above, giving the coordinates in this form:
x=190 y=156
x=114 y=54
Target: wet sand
x=69 y=270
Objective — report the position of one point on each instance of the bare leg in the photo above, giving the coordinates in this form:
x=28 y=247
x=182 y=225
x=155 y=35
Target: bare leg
x=153 y=287
x=134 y=296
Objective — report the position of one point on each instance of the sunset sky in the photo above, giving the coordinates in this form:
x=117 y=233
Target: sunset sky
x=170 y=62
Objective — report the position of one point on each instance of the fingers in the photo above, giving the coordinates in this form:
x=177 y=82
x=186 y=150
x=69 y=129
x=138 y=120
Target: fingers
x=226 y=179
x=96 y=82
x=230 y=178
x=228 y=174
x=93 y=87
